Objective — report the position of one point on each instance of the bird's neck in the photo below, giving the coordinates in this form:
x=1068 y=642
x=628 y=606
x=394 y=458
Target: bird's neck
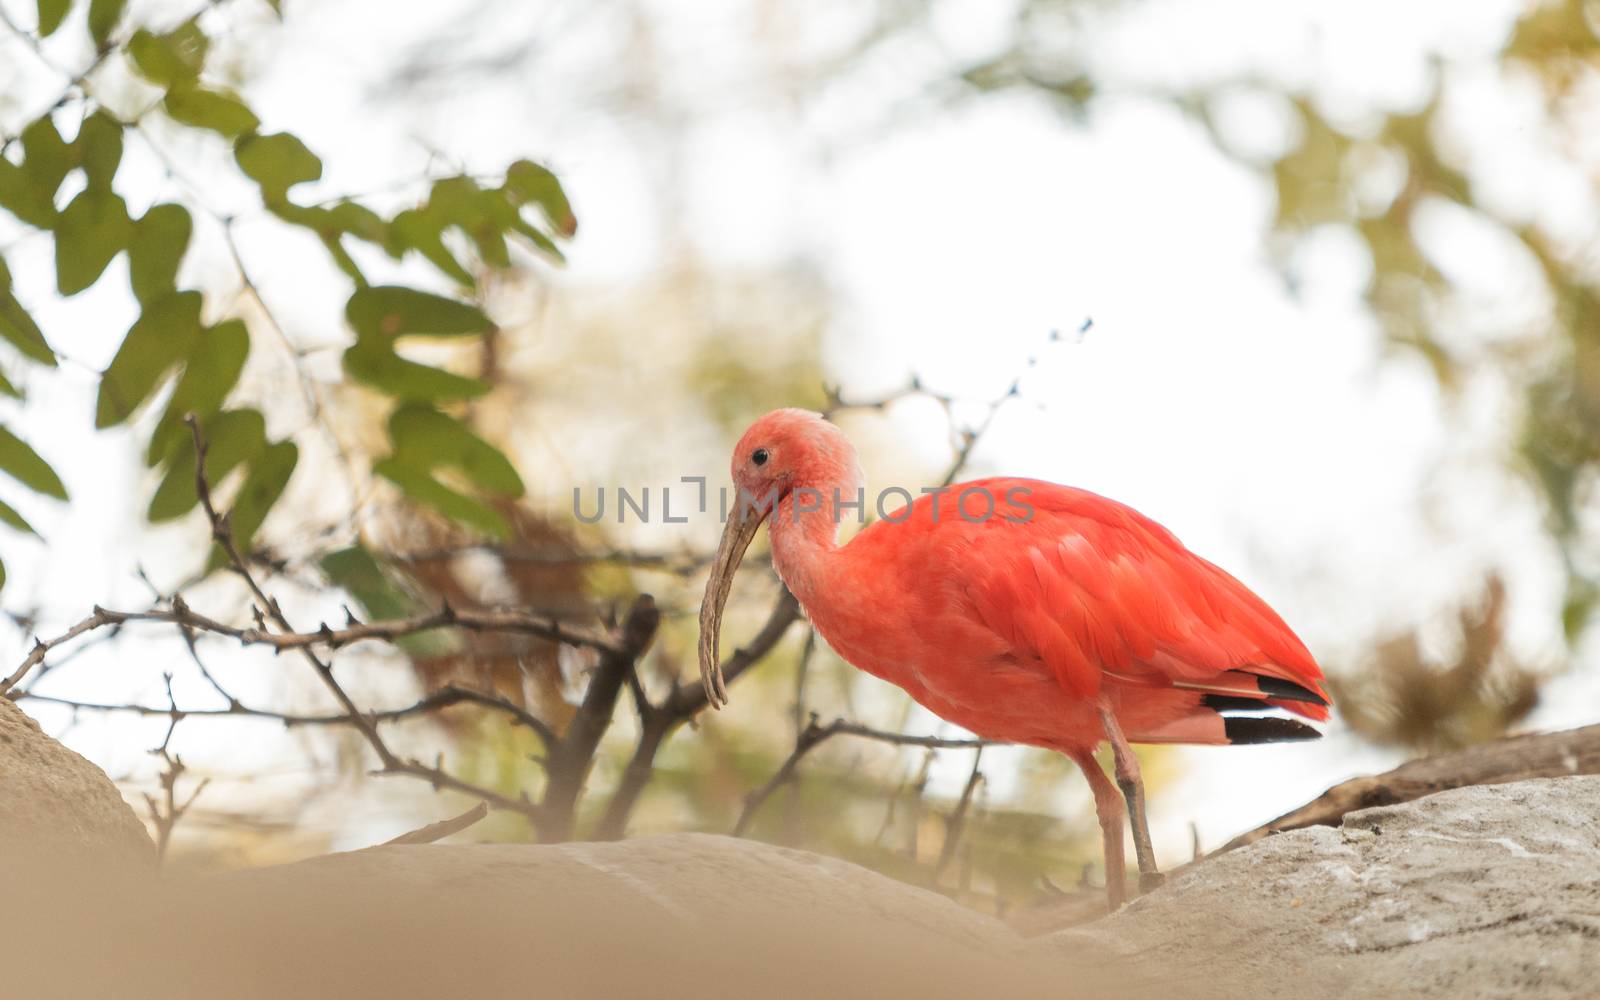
x=804 y=526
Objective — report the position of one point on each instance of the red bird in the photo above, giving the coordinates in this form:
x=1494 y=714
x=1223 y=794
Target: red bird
x=1020 y=610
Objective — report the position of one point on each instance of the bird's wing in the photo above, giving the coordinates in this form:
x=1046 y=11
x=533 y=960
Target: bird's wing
x=1100 y=594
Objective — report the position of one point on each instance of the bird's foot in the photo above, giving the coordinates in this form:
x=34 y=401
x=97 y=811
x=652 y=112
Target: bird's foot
x=1151 y=881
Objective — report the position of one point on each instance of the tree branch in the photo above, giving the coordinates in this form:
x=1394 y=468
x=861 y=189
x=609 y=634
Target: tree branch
x=1537 y=755
x=815 y=735
x=271 y=612
x=389 y=630
x=442 y=829
x=443 y=698
x=571 y=758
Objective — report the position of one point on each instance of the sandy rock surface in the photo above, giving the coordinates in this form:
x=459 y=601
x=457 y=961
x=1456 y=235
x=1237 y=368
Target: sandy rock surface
x=51 y=796
x=1488 y=891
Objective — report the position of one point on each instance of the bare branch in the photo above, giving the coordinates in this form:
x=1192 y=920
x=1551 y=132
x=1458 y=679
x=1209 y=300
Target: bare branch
x=815 y=735
x=445 y=617
x=1536 y=755
x=268 y=610
x=168 y=811
x=957 y=822
x=442 y=829
x=188 y=620
x=41 y=647
x=571 y=758
x=440 y=699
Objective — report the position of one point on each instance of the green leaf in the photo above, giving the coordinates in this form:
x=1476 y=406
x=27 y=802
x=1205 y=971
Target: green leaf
x=276 y=162
x=99 y=149
x=372 y=361
x=528 y=182
x=359 y=221
x=164 y=334
x=460 y=202
x=160 y=240
x=15 y=520
x=24 y=465
x=411 y=230
x=24 y=199
x=210 y=109
x=51 y=14
x=171 y=59
x=375 y=588
x=18 y=327
x=361 y=576
x=420 y=486
x=210 y=374
x=47 y=158
x=538 y=238
x=103 y=18
x=263 y=485
x=91 y=231
x=8 y=389
x=425 y=438
x=505 y=217
x=394 y=311
x=232 y=438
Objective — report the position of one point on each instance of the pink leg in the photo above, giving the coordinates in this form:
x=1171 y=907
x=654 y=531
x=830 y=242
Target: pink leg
x=1132 y=785
x=1108 y=806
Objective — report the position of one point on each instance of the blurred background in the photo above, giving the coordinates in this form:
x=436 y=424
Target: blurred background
x=1313 y=285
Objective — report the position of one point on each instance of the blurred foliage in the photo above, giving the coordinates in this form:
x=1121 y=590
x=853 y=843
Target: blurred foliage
x=1377 y=173
x=460 y=228
x=1556 y=361
x=1553 y=362
x=1473 y=693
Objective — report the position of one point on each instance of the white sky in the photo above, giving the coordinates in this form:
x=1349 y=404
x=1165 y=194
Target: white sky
x=1274 y=435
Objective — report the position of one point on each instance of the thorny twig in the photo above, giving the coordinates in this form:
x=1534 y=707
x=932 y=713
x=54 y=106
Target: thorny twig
x=568 y=756
x=269 y=611
x=445 y=697
x=190 y=621
x=167 y=811
x=814 y=735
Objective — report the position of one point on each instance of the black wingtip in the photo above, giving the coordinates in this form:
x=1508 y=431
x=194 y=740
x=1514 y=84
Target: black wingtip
x=1274 y=687
x=1233 y=703
x=1241 y=730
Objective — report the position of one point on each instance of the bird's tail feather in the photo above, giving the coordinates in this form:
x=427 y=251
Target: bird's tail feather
x=1266 y=729
x=1246 y=690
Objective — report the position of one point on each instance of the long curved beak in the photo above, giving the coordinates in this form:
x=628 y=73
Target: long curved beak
x=736 y=537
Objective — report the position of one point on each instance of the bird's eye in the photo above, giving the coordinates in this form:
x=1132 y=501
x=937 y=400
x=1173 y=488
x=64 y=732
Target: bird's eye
x=760 y=456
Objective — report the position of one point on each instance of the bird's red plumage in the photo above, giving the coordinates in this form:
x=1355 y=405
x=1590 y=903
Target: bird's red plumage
x=1013 y=626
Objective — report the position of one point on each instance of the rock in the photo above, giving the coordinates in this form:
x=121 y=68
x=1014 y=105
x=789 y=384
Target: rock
x=686 y=880
x=1487 y=891
x=683 y=916
x=57 y=807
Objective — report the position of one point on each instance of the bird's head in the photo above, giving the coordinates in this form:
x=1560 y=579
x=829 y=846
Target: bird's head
x=781 y=452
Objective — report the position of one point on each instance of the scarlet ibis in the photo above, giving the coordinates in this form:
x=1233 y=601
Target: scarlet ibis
x=1023 y=611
